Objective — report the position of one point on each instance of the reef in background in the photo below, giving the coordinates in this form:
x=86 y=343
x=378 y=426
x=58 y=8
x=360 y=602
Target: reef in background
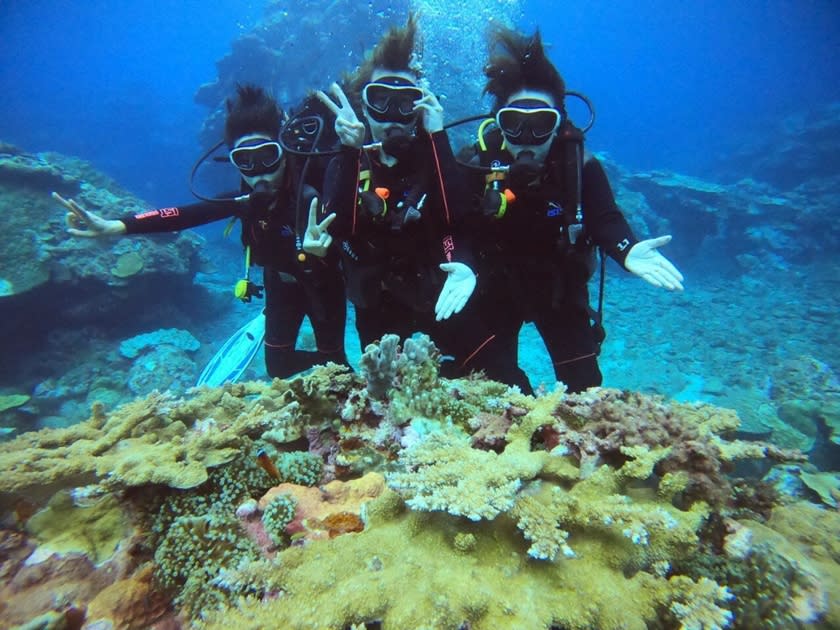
x=397 y=498
x=67 y=303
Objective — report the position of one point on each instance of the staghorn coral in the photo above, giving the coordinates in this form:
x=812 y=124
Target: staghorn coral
x=551 y=517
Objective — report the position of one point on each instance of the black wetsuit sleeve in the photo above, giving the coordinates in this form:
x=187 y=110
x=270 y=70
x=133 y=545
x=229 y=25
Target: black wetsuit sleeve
x=178 y=218
x=340 y=189
x=604 y=220
x=455 y=200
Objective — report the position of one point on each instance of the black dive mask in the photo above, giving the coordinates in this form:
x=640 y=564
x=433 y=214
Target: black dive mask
x=399 y=142
x=524 y=170
x=391 y=99
x=257 y=158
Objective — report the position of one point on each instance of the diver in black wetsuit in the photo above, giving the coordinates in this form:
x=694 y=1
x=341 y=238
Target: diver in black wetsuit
x=274 y=229
x=536 y=226
x=394 y=201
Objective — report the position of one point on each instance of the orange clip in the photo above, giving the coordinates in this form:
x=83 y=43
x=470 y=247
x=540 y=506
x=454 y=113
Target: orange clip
x=508 y=193
x=382 y=193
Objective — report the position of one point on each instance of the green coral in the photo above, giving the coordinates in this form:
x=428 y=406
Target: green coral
x=277 y=515
x=299 y=467
x=94 y=528
x=225 y=489
x=194 y=551
x=10 y=401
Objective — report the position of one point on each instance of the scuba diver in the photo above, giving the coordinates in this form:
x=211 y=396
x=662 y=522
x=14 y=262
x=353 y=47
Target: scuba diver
x=270 y=205
x=394 y=198
x=542 y=208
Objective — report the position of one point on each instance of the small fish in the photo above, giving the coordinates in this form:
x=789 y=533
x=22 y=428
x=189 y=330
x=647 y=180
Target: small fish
x=267 y=464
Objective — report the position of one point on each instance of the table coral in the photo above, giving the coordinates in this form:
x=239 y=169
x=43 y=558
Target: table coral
x=157 y=439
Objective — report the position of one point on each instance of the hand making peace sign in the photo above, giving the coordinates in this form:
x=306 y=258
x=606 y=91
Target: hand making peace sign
x=316 y=239
x=350 y=130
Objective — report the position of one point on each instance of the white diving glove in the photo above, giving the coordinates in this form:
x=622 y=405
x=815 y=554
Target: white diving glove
x=316 y=239
x=459 y=286
x=645 y=261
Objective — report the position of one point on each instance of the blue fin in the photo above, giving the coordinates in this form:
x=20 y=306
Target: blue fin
x=234 y=356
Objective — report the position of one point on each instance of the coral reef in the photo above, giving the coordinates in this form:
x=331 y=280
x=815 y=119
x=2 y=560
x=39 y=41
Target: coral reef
x=182 y=339
x=157 y=439
x=277 y=515
x=48 y=255
x=577 y=500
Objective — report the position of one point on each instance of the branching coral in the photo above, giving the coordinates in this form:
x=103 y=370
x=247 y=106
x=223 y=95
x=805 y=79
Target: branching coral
x=550 y=518
x=695 y=604
x=442 y=472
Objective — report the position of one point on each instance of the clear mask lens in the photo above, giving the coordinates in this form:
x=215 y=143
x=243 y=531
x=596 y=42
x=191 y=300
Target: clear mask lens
x=527 y=126
x=391 y=103
x=258 y=158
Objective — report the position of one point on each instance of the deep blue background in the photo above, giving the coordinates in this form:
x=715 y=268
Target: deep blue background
x=675 y=84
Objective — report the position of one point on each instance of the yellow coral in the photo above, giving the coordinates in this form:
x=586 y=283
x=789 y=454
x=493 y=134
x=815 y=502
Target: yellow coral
x=151 y=440
x=127 y=265
x=444 y=473
x=405 y=572
x=94 y=529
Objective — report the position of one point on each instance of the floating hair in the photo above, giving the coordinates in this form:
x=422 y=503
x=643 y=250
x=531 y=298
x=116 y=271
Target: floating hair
x=397 y=50
x=252 y=111
x=518 y=62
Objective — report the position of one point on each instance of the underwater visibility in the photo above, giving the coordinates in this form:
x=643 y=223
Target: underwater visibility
x=465 y=326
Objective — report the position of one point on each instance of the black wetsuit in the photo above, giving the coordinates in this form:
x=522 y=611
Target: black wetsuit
x=530 y=271
x=390 y=255
x=314 y=287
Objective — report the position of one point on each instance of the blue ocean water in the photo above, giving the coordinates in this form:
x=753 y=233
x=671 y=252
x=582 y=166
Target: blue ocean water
x=717 y=121
x=675 y=87
x=675 y=84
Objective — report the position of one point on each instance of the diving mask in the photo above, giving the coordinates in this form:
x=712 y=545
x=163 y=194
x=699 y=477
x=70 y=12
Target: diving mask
x=257 y=159
x=391 y=99
x=528 y=125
